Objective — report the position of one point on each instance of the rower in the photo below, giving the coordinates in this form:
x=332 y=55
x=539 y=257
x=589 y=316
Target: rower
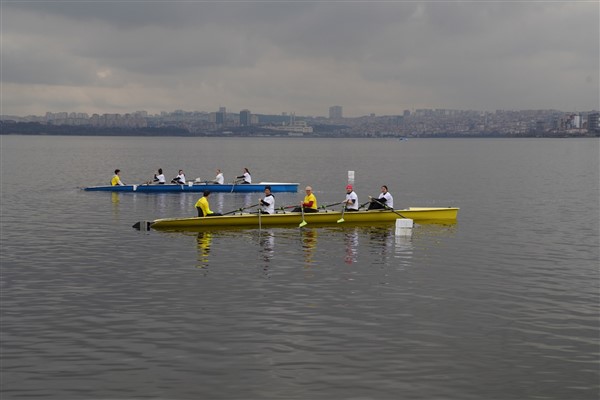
x=203 y=207
x=309 y=205
x=268 y=202
x=116 y=180
x=351 y=201
x=179 y=179
x=247 y=178
x=385 y=199
x=160 y=177
x=219 y=179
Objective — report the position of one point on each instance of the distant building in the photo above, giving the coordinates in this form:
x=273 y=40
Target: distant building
x=245 y=118
x=335 y=112
x=295 y=127
x=219 y=118
x=594 y=122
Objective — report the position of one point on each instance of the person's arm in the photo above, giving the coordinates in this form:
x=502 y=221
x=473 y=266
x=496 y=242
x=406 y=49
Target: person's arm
x=308 y=204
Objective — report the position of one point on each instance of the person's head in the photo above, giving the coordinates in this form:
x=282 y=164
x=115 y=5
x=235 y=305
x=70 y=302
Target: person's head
x=180 y=171
x=267 y=190
x=246 y=170
x=308 y=189
x=384 y=189
x=160 y=170
x=349 y=189
x=117 y=171
x=206 y=193
x=218 y=171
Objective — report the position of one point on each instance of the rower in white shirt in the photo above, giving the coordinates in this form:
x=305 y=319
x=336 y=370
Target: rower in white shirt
x=267 y=203
x=246 y=177
x=179 y=179
x=219 y=179
x=351 y=201
x=160 y=177
x=384 y=199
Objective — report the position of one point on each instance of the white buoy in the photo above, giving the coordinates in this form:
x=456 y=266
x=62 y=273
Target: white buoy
x=404 y=227
x=351 y=177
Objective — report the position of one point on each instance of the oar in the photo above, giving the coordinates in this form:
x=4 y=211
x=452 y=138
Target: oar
x=339 y=221
x=241 y=209
x=331 y=205
x=363 y=204
x=303 y=223
x=259 y=223
x=389 y=208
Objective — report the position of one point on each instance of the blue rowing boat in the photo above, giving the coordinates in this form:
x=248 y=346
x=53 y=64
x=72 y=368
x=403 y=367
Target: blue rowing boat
x=276 y=187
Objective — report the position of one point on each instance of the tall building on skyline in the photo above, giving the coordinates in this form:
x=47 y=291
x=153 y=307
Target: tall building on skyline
x=245 y=118
x=335 y=112
x=220 y=116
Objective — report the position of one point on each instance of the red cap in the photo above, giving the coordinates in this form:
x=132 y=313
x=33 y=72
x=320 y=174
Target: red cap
x=349 y=187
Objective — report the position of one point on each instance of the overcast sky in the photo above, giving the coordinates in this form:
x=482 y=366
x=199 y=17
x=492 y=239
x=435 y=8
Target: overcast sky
x=271 y=57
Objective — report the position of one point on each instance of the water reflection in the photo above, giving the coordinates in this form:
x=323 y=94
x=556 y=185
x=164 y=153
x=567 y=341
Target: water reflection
x=115 y=199
x=248 y=199
x=160 y=203
x=204 y=241
x=309 y=244
x=385 y=244
x=266 y=239
x=218 y=199
x=377 y=245
x=351 y=243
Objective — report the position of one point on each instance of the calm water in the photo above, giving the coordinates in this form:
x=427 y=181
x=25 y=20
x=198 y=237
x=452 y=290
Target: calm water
x=502 y=305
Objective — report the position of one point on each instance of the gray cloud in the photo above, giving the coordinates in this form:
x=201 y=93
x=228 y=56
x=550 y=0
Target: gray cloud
x=380 y=57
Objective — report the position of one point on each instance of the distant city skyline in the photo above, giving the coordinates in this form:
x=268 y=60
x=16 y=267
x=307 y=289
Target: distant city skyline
x=421 y=123
x=374 y=57
x=333 y=112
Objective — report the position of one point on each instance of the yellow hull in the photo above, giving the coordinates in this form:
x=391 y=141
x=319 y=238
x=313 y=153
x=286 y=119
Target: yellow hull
x=417 y=214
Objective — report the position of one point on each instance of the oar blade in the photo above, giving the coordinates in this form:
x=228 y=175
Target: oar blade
x=339 y=221
x=303 y=223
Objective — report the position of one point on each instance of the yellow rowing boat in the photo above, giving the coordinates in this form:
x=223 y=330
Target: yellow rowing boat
x=253 y=220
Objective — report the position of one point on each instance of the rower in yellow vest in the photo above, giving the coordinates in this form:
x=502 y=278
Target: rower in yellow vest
x=116 y=180
x=203 y=207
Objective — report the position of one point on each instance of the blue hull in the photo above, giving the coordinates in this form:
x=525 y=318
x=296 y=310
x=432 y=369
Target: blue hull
x=198 y=187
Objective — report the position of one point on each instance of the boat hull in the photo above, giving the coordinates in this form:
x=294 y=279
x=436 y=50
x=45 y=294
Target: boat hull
x=276 y=187
x=247 y=220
